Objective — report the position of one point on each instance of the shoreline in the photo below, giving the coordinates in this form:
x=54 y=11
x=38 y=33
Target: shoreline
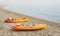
x=52 y=28
x=34 y=16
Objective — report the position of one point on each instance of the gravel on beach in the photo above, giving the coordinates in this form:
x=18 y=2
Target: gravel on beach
x=52 y=28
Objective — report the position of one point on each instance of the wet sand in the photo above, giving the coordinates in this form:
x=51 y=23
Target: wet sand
x=52 y=28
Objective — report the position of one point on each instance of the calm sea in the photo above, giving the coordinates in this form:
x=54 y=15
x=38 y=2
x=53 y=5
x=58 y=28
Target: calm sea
x=50 y=13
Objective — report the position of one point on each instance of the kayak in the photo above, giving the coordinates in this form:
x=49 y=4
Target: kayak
x=14 y=20
x=28 y=28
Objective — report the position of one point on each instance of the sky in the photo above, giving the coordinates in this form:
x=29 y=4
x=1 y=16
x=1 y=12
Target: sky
x=45 y=3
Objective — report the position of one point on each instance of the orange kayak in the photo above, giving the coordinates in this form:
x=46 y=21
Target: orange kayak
x=24 y=28
x=16 y=20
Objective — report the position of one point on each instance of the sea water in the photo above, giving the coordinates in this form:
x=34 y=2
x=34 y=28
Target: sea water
x=50 y=13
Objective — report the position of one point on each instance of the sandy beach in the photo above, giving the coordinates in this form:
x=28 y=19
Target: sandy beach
x=52 y=28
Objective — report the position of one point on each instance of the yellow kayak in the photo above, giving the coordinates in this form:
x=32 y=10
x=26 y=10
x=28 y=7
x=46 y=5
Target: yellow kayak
x=24 y=28
x=16 y=20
